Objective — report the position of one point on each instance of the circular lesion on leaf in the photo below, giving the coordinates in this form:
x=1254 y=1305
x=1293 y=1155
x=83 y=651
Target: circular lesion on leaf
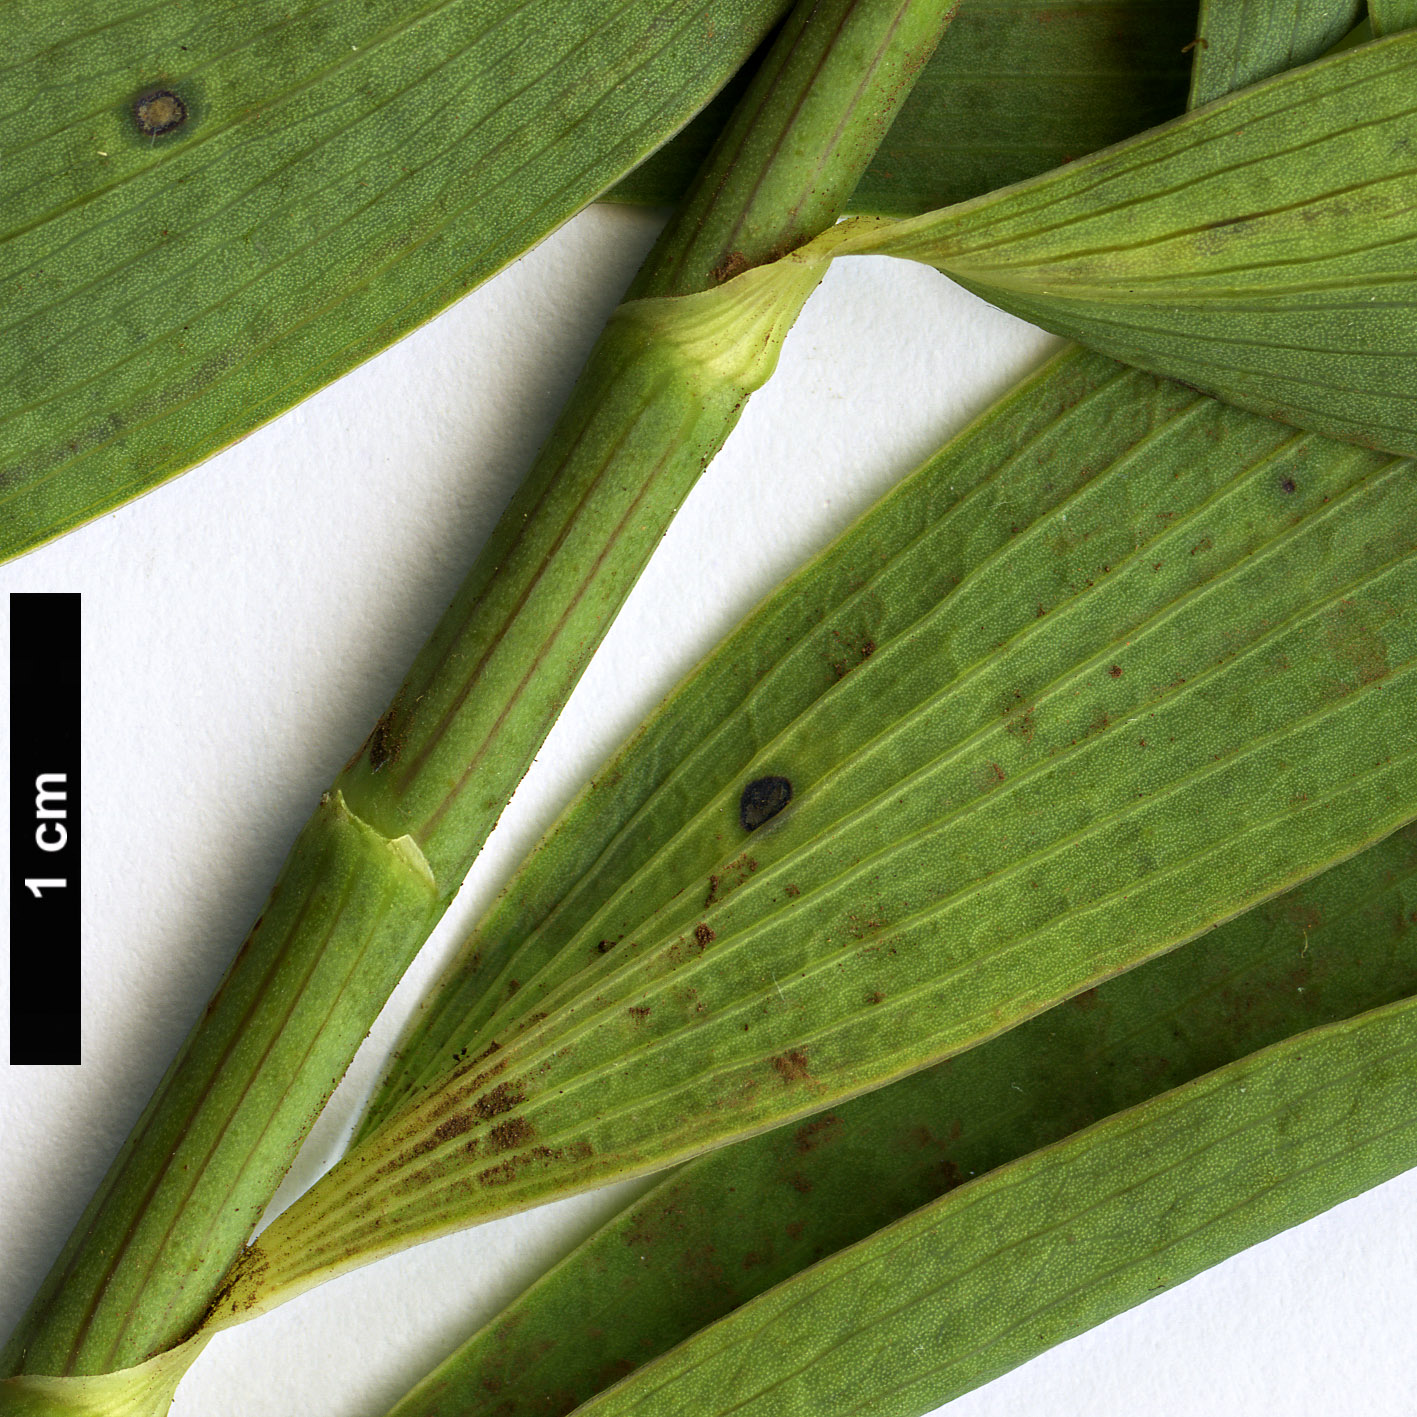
x=159 y=111
x=763 y=799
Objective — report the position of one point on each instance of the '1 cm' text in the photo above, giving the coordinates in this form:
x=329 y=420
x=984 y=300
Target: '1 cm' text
x=50 y=795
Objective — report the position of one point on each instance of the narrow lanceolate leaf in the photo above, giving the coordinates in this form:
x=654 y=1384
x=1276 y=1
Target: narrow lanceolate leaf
x=991 y=518
x=1240 y=44
x=1016 y=87
x=211 y=211
x=1126 y=661
x=1041 y=1249
x=732 y=1224
x=1262 y=248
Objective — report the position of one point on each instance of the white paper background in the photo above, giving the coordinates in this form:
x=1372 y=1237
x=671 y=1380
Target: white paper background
x=245 y=625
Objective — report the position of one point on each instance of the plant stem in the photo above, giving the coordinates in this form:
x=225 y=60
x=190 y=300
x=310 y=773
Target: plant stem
x=643 y=422
x=370 y=875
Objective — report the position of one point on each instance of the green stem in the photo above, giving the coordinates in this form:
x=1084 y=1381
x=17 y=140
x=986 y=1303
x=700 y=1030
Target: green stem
x=369 y=877
x=644 y=420
x=337 y=932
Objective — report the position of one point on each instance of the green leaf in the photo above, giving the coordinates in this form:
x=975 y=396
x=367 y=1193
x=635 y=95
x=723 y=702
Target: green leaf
x=1016 y=87
x=1044 y=1248
x=1241 y=44
x=1262 y=248
x=730 y=1225
x=1389 y=15
x=1118 y=664
x=339 y=173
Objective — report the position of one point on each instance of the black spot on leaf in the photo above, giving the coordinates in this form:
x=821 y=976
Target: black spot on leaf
x=763 y=799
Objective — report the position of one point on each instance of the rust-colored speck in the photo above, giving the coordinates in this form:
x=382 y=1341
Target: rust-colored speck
x=733 y=264
x=1116 y=671
x=703 y=936
x=502 y=1098
x=506 y=1136
x=638 y=1012
x=501 y=1173
x=453 y=1126
x=383 y=746
x=815 y=1132
x=791 y=1066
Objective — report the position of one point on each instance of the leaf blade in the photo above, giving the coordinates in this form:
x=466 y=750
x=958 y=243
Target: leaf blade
x=1044 y=1248
x=730 y=1225
x=1151 y=754
x=1239 y=46
x=1260 y=248
x=168 y=293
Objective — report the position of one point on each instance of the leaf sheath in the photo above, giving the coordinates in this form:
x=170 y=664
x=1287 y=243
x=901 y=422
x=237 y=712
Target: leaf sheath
x=139 y=1270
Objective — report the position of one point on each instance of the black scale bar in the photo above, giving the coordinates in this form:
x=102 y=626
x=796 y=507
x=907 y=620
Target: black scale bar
x=45 y=991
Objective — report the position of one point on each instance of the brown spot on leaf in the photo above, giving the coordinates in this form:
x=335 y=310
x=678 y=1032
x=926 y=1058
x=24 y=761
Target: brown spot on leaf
x=159 y=112
x=502 y=1098
x=453 y=1126
x=638 y=1012
x=733 y=264
x=791 y=1066
x=948 y=1175
x=505 y=1136
x=501 y=1173
x=703 y=936
x=815 y=1132
x=1358 y=649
